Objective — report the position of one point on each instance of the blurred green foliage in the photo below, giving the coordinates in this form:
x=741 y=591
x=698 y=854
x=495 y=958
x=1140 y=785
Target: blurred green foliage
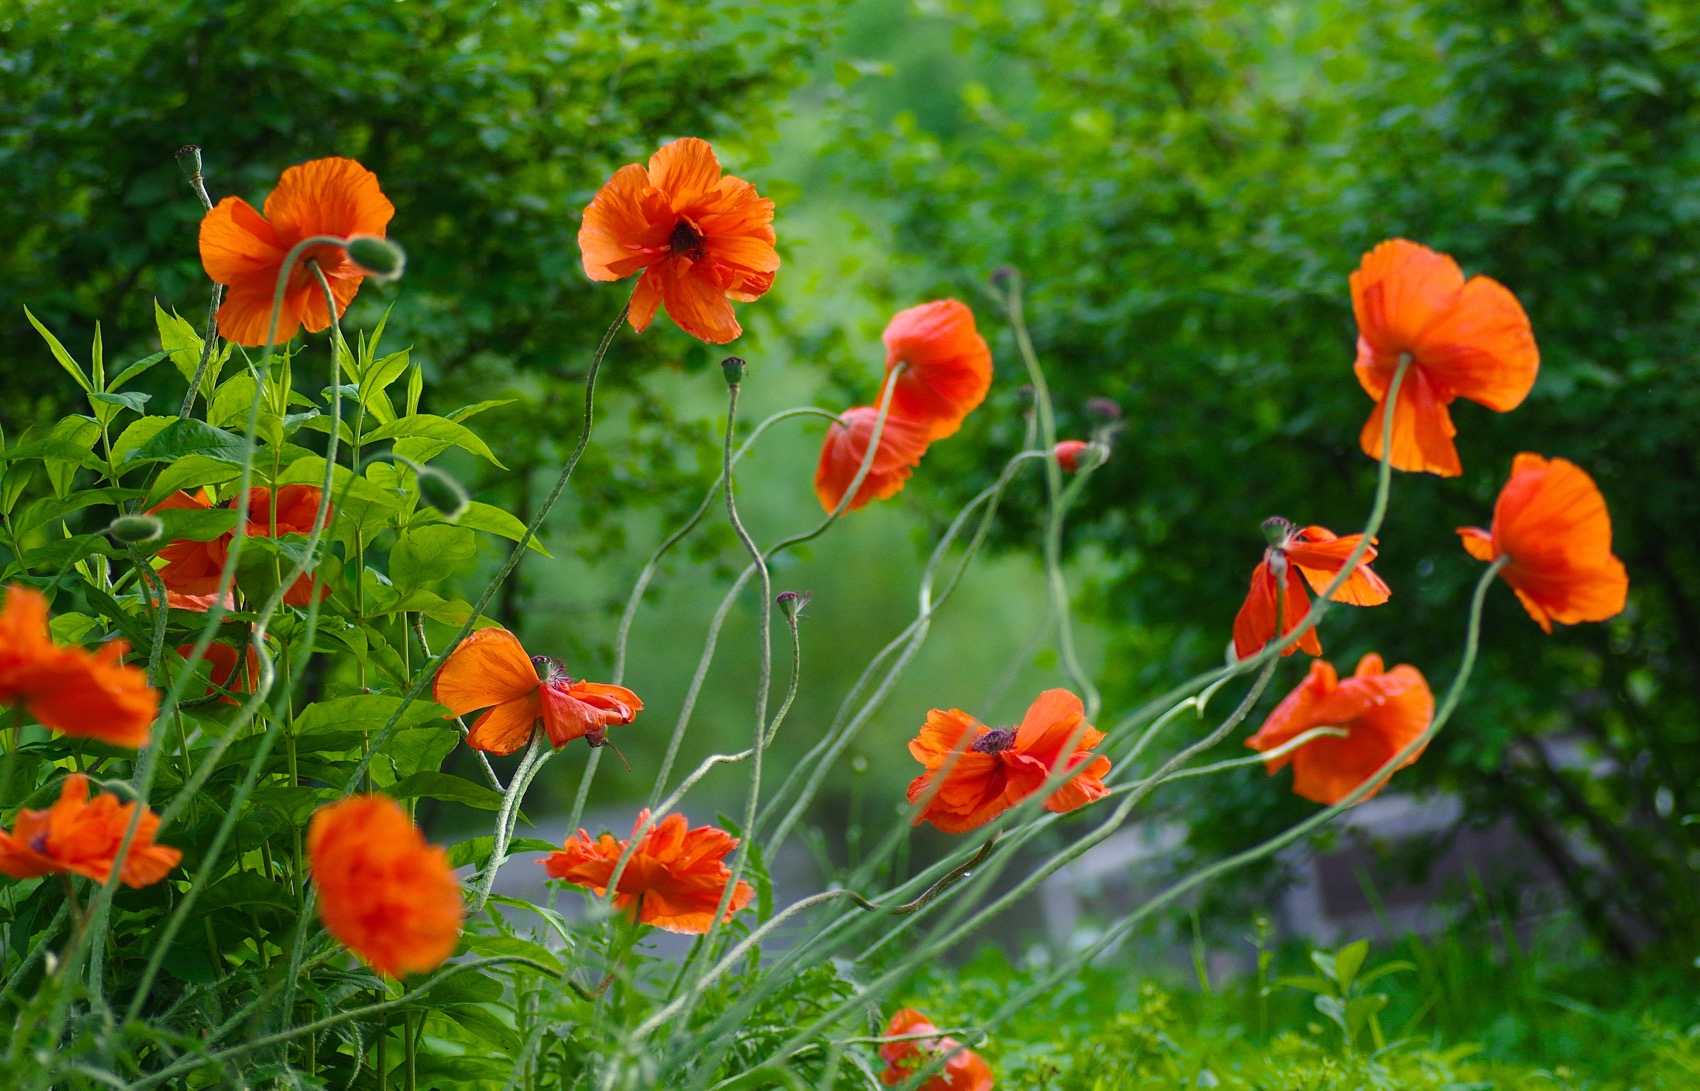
x=1186 y=185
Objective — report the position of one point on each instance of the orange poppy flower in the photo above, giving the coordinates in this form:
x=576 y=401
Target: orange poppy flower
x=949 y=366
x=192 y=569
x=674 y=880
x=222 y=659
x=1296 y=556
x=1466 y=339
x=964 y=1071
x=988 y=771
x=491 y=670
x=1380 y=711
x=1067 y=453
x=700 y=239
x=91 y=695
x=902 y=443
x=384 y=893
x=1551 y=520
x=244 y=250
x=82 y=837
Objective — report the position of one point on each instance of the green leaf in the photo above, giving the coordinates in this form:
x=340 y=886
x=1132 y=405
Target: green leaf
x=494 y=520
x=178 y=338
x=435 y=435
x=476 y=408
x=191 y=472
x=446 y=787
x=366 y=712
x=195 y=524
x=135 y=400
x=136 y=369
x=82 y=434
x=60 y=354
x=43 y=511
x=182 y=438
x=1306 y=982
x=136 y=433
x=1349 y=961
x=476 y=850
x=430 y=554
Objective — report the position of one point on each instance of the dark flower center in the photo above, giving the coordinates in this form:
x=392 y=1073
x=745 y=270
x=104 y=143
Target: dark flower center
x=687 y=241
x=995 y=741
x=550 y=670
x=38 y=843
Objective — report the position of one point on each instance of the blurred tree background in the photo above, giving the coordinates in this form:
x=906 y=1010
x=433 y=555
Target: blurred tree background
x=1184 y=186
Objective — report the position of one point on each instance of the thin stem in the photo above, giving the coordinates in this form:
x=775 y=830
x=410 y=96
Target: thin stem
x=537 y=752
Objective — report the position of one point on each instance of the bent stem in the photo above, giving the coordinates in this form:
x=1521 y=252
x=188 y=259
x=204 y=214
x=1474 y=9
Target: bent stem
x=537 y=752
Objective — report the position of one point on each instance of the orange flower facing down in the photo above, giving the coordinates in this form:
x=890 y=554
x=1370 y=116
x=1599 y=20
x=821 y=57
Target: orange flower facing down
x=82 y=837
x=700 y=239
x=1466 y=339
x=1551 y=520
x=1295 y=557
x=244 y=249
x=986 y=771
x=949 y=367
x=491 y=670
x=192 y=569
x=901 y=445
x=384 y=893
x=92 y=695
x=675 y=879
x=965 y=1070
x=1380 y=711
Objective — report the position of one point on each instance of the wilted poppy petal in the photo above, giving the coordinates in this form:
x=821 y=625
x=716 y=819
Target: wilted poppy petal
x=489 y=667
x=901 y=446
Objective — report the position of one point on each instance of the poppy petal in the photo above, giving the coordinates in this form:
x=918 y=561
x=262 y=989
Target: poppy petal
x=489 y=667
x=1482 y=348
x=332 y=196
x=1422 y=429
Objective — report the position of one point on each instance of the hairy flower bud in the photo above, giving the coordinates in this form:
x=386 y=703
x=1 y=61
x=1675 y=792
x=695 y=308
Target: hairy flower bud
x=136 y=529
x=442 y=492
x=382 y=259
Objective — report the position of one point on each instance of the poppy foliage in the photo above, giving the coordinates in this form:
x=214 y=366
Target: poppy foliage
x=1551 y=522
x=1380 y=711
x=901 y=445
x=948 y=366
x=674 y=879
x=963 y=1070
x=1298 y=556
x=384 y=893
x=92 y=695
x=1465 y=339
x=82 y=836
x=975 y=773
x=699 y=239
x=192 y=569
x=490 y=670
x=244 y=250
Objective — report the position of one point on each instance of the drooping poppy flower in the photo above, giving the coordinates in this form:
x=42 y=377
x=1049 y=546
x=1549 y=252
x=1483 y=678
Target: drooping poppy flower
x=81 y=836
x=949 y=366
x=1380 y=711
x=965 y=1070
x=700 y=239
x=1551 y=520
x=1466 y=339
x=92 y=695
x=986 y=771
x=675 y=879
x=1297 y=556
x=192 y=569
x=901 y=445
x=244 y=250
x=1068 y=454
x=384 y=892
x=491 y=670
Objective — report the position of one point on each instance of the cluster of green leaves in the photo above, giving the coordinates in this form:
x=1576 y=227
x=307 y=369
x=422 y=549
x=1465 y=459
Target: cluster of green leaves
x=1185 y=187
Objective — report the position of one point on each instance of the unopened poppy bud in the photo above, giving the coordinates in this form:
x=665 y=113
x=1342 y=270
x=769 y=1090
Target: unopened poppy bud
x=792 y=602
x=382 y=259
x=733 y=366
x=1103 y=409
x=1025 y=393
x=135 y=529
x=442 y=492
x=189 y=159
x=1074 y=454
x=1276 y=530
x=1002 y=275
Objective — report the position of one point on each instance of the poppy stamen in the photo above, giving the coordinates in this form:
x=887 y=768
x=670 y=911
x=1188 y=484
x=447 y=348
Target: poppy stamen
x=687 y=241
x=995 y=741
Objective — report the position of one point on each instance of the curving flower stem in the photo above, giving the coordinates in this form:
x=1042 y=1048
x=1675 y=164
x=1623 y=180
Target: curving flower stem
x=209 y=342
x=537 y=753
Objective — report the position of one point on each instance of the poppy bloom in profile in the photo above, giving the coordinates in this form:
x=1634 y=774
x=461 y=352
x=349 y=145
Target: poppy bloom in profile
x=1068 y=454
x=949 y=367
x=699 y=238
x=491 y=670
x=81 y=836
x=192 y=569
x=92 y=695
x=1297 y=556
x=901 y=445
x=1466 y=339
x=1551 y=521
x=675 y=879
x=1380 y=711
x=965 y=1070
x=244 y=250
x=384 y=892
x=986 y=771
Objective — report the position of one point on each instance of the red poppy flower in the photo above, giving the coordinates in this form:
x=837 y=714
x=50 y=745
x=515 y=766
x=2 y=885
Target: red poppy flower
x=700 y=239
x=82 y=837
x=964 y=1071
x=1551 y=520
x=1298 y=556
x=902 y=443
x=990 y=771
x=1380 y=711
x=222 y=660
x=244 y=250
x=192 y=569
x=384 y=893
x=491 y=670
x=675 y=878
x=1466 y=339
x=92 y=695
x=1067 y=453
x=949 y=366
